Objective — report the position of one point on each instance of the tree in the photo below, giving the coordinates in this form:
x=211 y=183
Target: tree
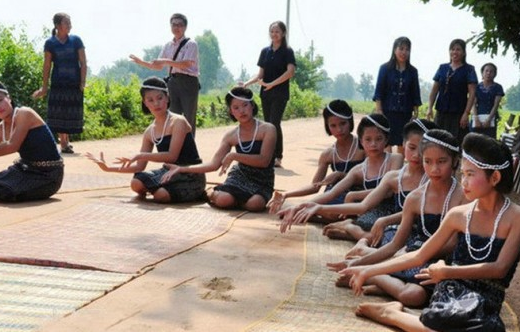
x=500 y=21
x=344 y=86
x=426 y=88
x=513 y=98
x=365 y=86
x=308 y=74
x=210 y=60
x=224 y=78
x=21 y=67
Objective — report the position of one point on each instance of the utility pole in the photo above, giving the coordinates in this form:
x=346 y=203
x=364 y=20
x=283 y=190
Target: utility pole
x=287 y=17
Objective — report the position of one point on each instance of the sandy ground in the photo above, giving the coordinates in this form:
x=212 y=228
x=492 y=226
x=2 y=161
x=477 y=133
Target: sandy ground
x=223 y=285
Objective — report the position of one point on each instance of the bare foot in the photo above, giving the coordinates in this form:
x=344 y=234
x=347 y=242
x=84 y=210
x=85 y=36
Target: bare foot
x=343 y=281
x=334 y=225
x=379 y=312
x=373 y=290
x=359 y=249
x=338 y=234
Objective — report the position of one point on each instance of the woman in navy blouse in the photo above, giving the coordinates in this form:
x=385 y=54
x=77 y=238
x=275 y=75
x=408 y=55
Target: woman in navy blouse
x=453 y=92
x=485 y=109
x=277 y=65
x=397 y=93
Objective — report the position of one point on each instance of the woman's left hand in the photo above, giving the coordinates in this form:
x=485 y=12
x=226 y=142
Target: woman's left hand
x=357 y=278
x=226 y=162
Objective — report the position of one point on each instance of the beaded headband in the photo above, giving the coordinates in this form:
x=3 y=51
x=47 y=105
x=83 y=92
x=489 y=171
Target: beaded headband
x=378 y=125
x=420 y=124
x=4 y=91
x=439 y=142
x=152 y=87
x=482 y=165
x=239 y=97
x=337 y=114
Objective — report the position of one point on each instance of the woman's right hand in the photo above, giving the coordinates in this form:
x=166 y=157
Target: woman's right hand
x=429 y=114
x=276 y=202
x=41 y=92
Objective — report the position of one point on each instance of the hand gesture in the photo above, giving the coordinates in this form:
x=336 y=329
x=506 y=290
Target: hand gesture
x=125 y=162
x=287 y=216
x=225 y=163
x=429 y=114
x=330 y=179
x=173 y=170
x=99 y=161
x=135 y=59
x=276 y=202
x=306 y=211
x=357 y=279
x=377 y=232
x=432 y=274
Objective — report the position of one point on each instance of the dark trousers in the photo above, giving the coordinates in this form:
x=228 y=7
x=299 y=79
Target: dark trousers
x=184 y=97
x=273 y=107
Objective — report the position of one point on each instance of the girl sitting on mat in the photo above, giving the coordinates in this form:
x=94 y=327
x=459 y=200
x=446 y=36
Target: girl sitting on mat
x=344 y=154
x=396 y=184
x=484 y=237
x=423 y=210
x=38 y=173
x=171 y=135
x=373 y=132
x=250 y=182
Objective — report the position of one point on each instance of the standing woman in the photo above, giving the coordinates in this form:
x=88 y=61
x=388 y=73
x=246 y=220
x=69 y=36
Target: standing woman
x=453 y=92
x=65 y=53
x=485 y=109
x=277 y=65
x=397 y=93
x=38 y=173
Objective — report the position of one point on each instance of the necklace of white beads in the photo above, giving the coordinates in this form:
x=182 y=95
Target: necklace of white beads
x=12 y=127
x=350 y=155
x=445 y=206
x=489 y=245
x=400 y=191
x=156 y=140
x=249 y=147
x=382 y=168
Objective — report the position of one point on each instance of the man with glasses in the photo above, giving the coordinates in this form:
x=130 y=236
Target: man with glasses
x=181 y=57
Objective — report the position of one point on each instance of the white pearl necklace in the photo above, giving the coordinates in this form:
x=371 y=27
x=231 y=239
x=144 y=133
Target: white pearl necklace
x=350 y=155
x=12 y=127
x=248 y=148
x=379 y=175
x=488 y=246
x=400 y=191
x=445 y=206
x=156 y=140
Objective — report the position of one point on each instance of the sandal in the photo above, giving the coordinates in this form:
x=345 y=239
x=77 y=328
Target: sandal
x=67 y=149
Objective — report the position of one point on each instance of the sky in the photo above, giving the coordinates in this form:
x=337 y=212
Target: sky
x=353 y=36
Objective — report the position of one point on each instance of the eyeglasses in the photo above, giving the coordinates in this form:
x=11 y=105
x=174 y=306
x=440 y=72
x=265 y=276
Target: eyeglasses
x=177 y=25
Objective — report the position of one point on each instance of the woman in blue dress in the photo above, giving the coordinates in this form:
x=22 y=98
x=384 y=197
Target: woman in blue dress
x=172 y=137
x=249 y=184
x=484 y=116
x=65 y=53
x=453 y=92
x=397 y=94
x=38 y=173
x=484 y=237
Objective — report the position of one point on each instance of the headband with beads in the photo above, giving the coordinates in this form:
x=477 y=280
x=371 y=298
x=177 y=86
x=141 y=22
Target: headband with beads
x=439 y=142
x=378 y=125
x=337 y=114
x=482 y=165
x=420 y=124
x=152 y=87
x=4 y=91
x=239 y=97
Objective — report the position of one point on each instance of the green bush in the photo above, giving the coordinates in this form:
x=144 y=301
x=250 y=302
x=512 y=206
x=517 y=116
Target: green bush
x=303 y=103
